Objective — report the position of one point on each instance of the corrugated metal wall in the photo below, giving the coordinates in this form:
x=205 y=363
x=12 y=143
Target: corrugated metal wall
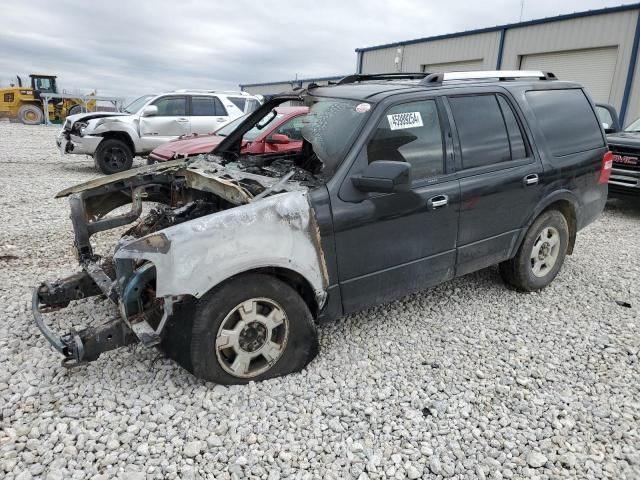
x=577 y=65
x=608 y=30
x=611 y=30
x=267 y=89
x=573 y=36
x=482 y=47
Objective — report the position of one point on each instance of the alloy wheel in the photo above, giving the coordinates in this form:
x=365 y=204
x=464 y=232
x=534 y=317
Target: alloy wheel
x=544 y=253
x=252 y=337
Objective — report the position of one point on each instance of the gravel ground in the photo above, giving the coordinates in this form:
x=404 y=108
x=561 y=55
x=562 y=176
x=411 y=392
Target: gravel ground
x=467 y=380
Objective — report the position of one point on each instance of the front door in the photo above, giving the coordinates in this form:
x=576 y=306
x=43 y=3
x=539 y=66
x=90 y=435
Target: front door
x=500 y=178
x=389 y=245
x=170 y=122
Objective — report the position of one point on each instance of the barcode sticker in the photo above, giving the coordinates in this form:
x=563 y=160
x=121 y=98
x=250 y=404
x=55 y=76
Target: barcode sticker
x=398 y=121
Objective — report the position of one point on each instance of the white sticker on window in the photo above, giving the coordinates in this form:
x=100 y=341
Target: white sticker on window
x=398 y=121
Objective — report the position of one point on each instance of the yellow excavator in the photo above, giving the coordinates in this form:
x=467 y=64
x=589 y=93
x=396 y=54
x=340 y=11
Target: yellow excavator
x=24 y=103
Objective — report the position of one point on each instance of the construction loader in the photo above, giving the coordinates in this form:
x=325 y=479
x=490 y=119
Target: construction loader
x=24 y=103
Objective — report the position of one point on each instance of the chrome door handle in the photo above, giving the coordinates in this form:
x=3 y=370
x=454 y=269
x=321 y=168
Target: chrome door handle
x=530 y=179
x=438 y=201
x=220 y=120
x=183 y=119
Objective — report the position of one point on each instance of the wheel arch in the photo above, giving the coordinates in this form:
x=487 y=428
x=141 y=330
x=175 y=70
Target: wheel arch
x=122 y=136
x=566 y=203
x=294 y=279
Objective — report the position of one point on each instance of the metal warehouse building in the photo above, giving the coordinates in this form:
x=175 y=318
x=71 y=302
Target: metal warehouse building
x=268 y=88
x=598 y=48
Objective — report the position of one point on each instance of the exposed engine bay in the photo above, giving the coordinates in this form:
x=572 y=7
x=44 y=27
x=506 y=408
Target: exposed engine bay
x=183 y=191
x=213 y=217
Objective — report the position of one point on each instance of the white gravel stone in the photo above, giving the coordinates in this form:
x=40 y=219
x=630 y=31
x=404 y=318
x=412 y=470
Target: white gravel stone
x=461 y=381
x=536 y=459
x=191 y=449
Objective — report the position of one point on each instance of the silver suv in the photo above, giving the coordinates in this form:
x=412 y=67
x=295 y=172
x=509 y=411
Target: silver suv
x=113 y=138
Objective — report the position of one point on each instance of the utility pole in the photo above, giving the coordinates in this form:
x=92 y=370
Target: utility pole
x=521 y=8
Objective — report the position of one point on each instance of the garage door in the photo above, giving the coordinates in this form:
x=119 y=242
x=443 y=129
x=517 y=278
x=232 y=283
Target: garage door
x=466 y=66
x=591 y=67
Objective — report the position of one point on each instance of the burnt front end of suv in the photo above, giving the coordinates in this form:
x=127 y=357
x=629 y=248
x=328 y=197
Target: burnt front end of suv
x=185 y=195
x=127 y=283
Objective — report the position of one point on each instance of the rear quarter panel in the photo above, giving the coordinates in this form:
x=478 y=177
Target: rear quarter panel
x=572 y=177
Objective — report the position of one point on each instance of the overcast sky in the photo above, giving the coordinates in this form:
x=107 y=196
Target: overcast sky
x=130 y=48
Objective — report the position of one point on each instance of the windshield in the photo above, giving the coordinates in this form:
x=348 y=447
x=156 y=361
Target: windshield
x=634 y=127
x=330 y=127
x=256 y=131
x=137 y=104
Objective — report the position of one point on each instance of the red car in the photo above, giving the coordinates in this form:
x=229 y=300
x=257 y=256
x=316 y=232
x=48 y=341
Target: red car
x=280 y=131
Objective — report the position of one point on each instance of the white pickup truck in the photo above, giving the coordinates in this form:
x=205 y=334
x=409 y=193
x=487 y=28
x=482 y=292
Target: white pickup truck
x=113 y=138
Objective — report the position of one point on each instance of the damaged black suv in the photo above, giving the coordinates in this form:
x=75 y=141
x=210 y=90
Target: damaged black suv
x=404 y=181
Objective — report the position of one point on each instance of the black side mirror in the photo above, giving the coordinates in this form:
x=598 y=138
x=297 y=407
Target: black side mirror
x=384 y=176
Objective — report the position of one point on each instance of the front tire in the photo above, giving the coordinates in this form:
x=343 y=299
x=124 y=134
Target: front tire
x=541 y=254
x=30 y=115
x=113 y=156
x=74 y=110
x=251 y=328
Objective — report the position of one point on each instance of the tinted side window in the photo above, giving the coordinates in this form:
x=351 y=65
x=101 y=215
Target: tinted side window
x=292 y=128
x=220 y=110
x=171 y=106
x=203 y=106
x=566 y=120
x=252 y=105
x=238 y=102
x=516 y=141
x=481 y=129
x=410 y=133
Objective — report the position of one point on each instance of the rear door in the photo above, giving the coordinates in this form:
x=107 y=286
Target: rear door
x=389 y=245
x=207 y=114
x=500 y=177
x=170 y=122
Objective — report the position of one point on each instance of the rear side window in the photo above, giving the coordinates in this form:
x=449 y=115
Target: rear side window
x=203 y=106
x=207 y=107
x=411 y=133
x=567 y=120
x=252 y=105
x=481 y=129
x=220 y=110
x=238 y=102
x=516 y=141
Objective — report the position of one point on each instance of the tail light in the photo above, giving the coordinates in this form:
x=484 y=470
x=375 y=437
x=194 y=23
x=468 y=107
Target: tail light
x=605 y=169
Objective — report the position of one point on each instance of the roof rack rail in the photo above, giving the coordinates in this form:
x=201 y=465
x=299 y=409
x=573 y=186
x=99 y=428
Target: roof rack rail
x=501 y=75
x=199 y=90
x=361 y=77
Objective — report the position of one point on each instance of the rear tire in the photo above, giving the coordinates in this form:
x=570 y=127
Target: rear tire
x=251 y=328
x=30 y=115
x=113 y=156
x=541 y=254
